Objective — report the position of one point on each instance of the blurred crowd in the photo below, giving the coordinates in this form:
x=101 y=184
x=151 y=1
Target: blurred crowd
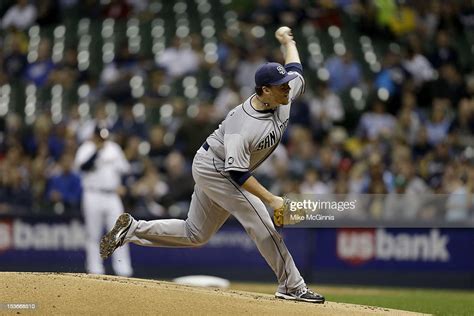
x=412 y=135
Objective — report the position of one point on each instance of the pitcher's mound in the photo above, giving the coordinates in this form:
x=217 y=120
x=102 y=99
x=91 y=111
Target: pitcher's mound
x=59 y=294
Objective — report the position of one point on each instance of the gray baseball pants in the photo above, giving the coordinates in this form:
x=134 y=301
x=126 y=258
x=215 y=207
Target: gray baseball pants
x=215 y=197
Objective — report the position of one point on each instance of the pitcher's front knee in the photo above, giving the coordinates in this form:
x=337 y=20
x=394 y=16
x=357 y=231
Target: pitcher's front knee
x=199 y=239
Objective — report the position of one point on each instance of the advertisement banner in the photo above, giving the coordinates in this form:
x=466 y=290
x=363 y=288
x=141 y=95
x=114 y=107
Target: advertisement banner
x=420 y=249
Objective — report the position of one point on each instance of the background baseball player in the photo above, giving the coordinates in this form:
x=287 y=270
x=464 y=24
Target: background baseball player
x=224 y=183
x=102 y=164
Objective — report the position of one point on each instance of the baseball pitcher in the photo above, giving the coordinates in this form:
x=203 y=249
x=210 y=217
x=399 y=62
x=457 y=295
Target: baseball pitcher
x=222 y=169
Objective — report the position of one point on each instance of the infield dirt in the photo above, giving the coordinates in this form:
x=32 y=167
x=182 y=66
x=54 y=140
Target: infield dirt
x=83 y=294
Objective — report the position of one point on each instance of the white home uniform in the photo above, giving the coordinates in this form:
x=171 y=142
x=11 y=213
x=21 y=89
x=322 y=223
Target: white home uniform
x=242 y=142
x=101 y=203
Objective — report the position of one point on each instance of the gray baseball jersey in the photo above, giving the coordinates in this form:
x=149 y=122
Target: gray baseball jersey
x=242 y=142
x=247 y=137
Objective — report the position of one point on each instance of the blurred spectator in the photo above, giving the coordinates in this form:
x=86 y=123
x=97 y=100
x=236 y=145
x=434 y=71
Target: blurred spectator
x=148 y=191
x=449 y=18
x=386 y=10
x=20 y=16
x=326 y=109
x=402 y=20
x=264 y=13
x=344 y=72
x=14 y=62
x=15 y=193
x=435 y=163
x=437 y=126
x=226 y=47
x=410 y=193
x=45 y=135
x=87 y=8
x=366 y=13
x=293 y=13
x=48 y=12
x=158 y=88
x=10 y=132
x=341 y=186
x=40 y=70
x=327 y=165
x=64 y=188
x=300 y=114
x=378 y=179
x=302 y=150
x=421 y=146
x=466 y=15
x=461 y=130
x=458 y=203
x=179 y=59
x=158 y=149
x=377 y=122
x=193 y=130
x=67 y=73
x=245 y=72
x=443 y=52
x=115 y=76
x=129 y=124
x=325 y=14
x=140 y=8
x=428 y=18
x=312 y=184
x=375 y=202
x=392 y=76
x=116 y=9
x=228 y=53
x=180 y=183
x=226 y=99
x=408 y=120
x=417 y=64
x=135 y=159
x=450 y=84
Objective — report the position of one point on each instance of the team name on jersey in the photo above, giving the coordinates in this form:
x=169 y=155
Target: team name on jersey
x=268 y=141
x=283 y=125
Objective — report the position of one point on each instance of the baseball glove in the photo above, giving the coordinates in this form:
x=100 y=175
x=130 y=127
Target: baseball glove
x=284 y=216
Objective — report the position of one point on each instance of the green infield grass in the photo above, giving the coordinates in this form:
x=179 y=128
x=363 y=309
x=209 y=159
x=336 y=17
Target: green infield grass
x=430 y=301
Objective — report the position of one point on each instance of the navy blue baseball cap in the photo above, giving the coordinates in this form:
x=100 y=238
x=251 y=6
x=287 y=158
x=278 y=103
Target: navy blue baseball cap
x=272 y=74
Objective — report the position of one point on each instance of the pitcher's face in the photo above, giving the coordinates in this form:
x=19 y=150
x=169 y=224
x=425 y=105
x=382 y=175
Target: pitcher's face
x=280 y=94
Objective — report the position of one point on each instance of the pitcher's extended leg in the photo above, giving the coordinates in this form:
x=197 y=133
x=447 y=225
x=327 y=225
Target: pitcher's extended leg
x=204 y=218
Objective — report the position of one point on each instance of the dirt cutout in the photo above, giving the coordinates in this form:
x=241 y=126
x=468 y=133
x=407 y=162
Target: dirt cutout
x=83 y=294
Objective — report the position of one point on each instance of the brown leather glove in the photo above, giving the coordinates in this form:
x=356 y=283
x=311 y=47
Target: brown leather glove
x=284 y=216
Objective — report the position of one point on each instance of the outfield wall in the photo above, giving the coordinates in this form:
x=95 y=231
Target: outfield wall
x=393 y=257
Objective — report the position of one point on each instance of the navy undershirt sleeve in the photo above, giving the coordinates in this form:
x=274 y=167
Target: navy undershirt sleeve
x=294 y=67
x=239 y=176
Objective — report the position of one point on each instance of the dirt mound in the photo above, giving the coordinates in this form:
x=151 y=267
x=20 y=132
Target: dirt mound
x=63 y=293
